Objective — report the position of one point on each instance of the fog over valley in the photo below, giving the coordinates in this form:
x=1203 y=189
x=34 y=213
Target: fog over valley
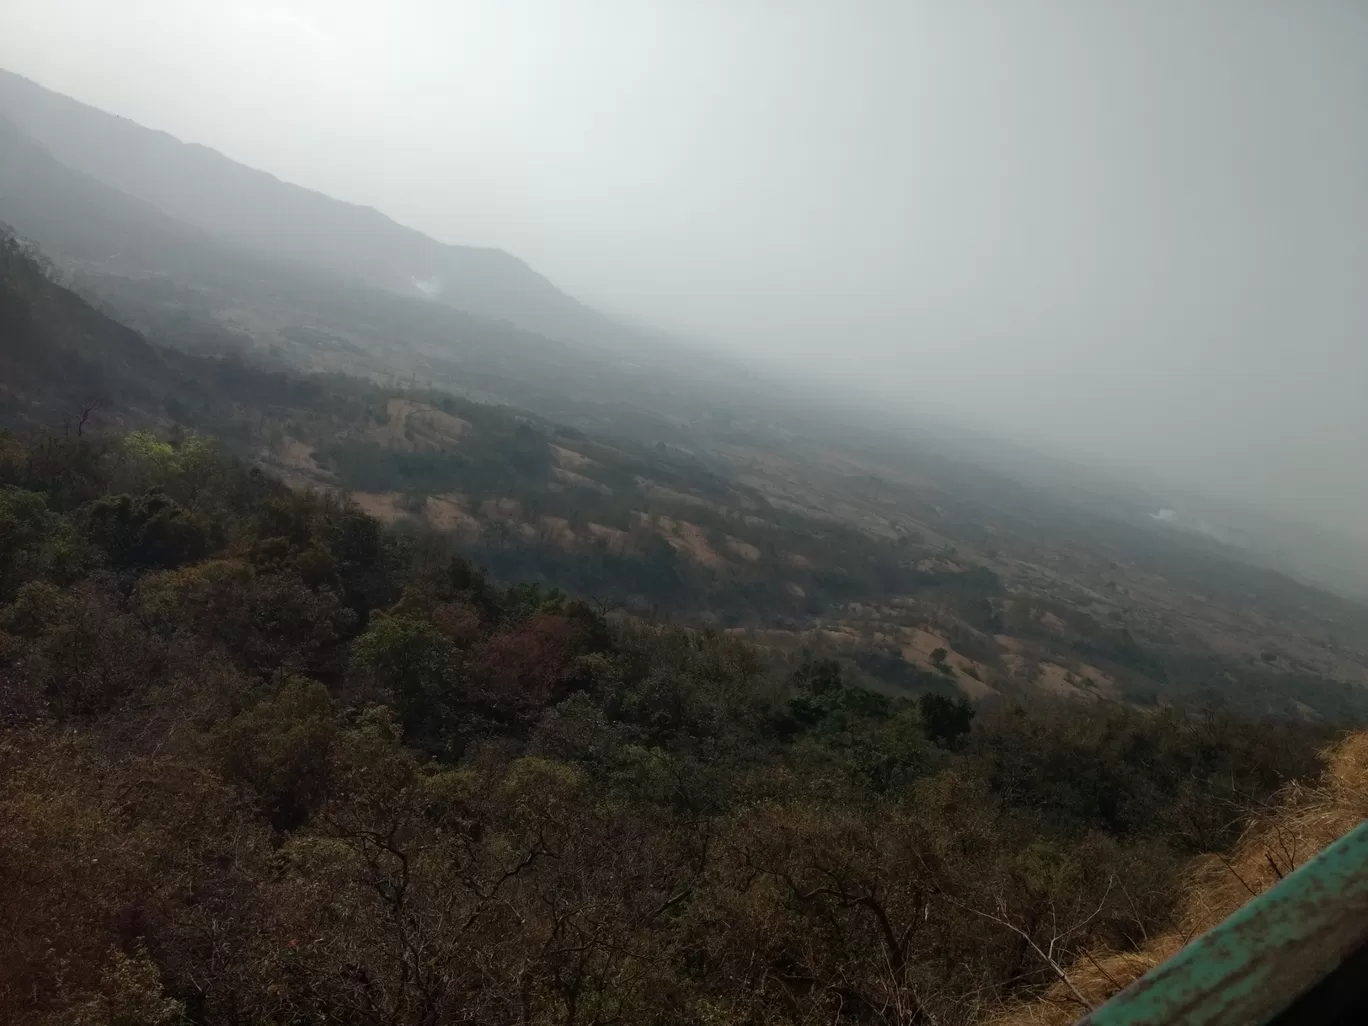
x=1134 y=234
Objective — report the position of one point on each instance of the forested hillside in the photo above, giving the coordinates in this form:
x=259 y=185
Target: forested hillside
x=267 y=758
x=916 y=571
x=267 y=761
x=368 y=660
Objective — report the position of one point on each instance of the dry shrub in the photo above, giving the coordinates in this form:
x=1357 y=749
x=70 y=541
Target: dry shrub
x=1302 y=821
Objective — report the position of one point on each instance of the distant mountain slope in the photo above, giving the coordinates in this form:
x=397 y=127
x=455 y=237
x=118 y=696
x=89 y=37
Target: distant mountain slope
x=77 y=218
x=57 y=352
x=816 y=545
x=253 y=209
x=187 y=288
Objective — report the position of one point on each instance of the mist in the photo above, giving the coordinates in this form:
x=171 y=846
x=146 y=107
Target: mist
x=1135 y=234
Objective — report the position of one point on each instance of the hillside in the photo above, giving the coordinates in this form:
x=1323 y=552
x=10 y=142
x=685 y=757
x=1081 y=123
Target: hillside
x=262 y=215
x=262 y=759
x=76 y=217
x=331 y=689
x=59 y=356
x=1303 y=820
x=191 y=289
x=920 y=575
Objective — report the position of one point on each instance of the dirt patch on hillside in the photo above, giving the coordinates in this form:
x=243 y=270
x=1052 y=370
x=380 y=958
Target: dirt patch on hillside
x=745 y=550
x=505 y=509
x=1054 y=623
x=1054 y=679
x=417 y=427
x=568 y=459
x=662 y=494
x=970 y=676
x=292 y=461
x=770 y=637
x=972 y=689
x=614 y=540
x=939 y=565
x=294 y=454
x=557 y=531
x=384 y=506
x=841 y=637
x=448 y=513
x=569 y=477
x=689 y=540
x=1090 y=678
x=921 y=643
x=450 y=427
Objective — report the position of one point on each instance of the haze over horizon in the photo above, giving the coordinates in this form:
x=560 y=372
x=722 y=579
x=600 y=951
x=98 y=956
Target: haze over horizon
x=1137 y=235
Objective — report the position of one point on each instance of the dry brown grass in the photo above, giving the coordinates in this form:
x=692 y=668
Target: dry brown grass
x=1303 y=821
x=569 y=477
x=386 y=507
x=689 y=540
x=448 y=513
x=744 y=549
x=568 y=459
x=417 y=427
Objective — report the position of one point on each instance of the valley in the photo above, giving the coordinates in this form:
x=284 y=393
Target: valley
x=388 y=638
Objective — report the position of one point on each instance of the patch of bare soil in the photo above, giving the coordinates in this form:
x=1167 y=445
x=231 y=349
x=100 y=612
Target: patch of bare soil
x=689 y=539
x=296 y=455
x=614 y=540
x=970 y=676
x=1054 y=679
x=974 y=690
x=384 y=506
x=448 y=513
x=506 y=509
x=939 y=565
x=417 y=427
x=745 y=550
x=292 y=461
x=568 y=459
x=1090 y=678
x=662 y=494
x=770 y=637
x=569 y=477
x=1054 y=623
x=557 y=531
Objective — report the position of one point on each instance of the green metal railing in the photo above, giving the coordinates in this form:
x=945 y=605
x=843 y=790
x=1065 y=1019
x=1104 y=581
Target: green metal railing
x=1296 y=954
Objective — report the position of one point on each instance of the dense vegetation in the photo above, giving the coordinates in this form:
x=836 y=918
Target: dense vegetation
x=726 y=534
x=264 y=761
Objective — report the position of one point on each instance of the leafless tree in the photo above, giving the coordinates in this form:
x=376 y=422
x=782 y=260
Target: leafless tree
x=89 y=407
x=1052 y=948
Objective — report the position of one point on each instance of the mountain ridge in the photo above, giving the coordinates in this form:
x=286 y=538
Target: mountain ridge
x=259 y=211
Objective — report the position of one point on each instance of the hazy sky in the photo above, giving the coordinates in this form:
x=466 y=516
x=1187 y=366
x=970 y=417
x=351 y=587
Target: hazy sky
x=1134 y=229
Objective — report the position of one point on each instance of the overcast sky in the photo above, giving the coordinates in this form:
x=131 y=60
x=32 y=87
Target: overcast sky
x=1136 y=230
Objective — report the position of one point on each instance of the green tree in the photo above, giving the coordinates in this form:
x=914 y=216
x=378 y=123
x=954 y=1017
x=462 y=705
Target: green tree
x=416 y=666
x=945 y=720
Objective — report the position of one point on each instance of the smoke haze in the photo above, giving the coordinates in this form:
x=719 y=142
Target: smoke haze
x=1136 y=233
